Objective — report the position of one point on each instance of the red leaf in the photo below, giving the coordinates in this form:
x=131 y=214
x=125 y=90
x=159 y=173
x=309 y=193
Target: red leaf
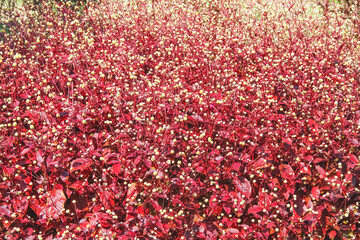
x=214 y=152
x=147 y=162
x=317 y=160
x=287 y=172
x=340 y=48
x=80 y=164
x=9 y=170
x=140 y=210
x=64 y=175
x=5 y=210
x=35 y=206
x=243 y=186
x=332 y=234
x=264 y=200
x=321 y=171
x=353 y=159
x=54 y=204
x=287 y=140
x=137 y=160
x=21 y=205
x=79 y=117
x=259 y=164
x=315 y=192
x=309 y=158
x=131 y=192
x=103 y=218
x=236 y=166
x=116 y=168
x=156 y=205
x=255 y=209
x=107 y=199
x=227 y=209
x=81 y=201
x=289 y=190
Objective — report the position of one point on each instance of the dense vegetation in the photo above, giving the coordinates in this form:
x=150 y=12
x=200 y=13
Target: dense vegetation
x=179 y=120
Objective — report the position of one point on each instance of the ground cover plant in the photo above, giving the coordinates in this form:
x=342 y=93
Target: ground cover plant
x=179 y=120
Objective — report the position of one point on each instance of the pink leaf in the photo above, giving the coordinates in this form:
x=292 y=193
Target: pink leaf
x=197 y=117
x=25 y=151
x=199 y=169
x=219 y=158
x=231 y=232
x=353 y=141
x=39 y=158
x=305 y=168
x=79 y=117
x=243 y=186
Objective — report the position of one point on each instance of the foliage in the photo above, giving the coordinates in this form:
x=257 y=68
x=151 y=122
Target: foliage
x=179 y=120
x=346 y=6
x=347 y=9
x=6 y=7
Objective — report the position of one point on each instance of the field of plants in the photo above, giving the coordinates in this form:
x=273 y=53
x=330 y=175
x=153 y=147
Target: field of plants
x=182 y=119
